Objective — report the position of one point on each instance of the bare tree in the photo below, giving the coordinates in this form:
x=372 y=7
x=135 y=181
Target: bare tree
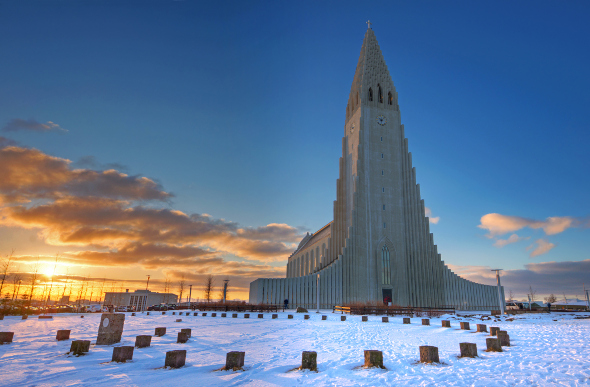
x=33 y=278
x=52 y=275
x=510 y=296
x=551 y=299
x=5 y=264
x=208 y=287
x=532 y=293
x=16 y=280
x=181 y=288
x=166 y=289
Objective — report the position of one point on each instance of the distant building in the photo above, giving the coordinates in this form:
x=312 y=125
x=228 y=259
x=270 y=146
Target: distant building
x=64 y=300
x=141 y=299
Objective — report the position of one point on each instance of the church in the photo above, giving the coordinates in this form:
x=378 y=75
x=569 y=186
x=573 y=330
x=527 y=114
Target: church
x=379 y=247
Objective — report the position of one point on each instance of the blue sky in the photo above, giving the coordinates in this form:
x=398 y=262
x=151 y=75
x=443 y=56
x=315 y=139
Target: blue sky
x=237 y=109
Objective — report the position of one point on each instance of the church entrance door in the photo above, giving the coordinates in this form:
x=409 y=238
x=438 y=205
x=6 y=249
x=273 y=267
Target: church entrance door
x=387 y=296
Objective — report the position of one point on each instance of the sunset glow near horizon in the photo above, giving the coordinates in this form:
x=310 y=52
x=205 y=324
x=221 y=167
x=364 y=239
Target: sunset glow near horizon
x=182 y=139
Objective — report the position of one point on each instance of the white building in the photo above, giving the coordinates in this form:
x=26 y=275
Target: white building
x=379 y=246
x=141 y=299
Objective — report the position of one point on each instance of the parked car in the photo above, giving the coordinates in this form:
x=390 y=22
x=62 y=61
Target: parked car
x=512 y=306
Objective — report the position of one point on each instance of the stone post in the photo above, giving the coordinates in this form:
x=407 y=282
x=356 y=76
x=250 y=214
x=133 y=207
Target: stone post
x=62 y=335
x=224 y=315
x=143 y=341
x=182 y=338
x=148 y=313
x=494 y=331
x=324 y=317
x=306 y=317
x=188 y=331
x=446 y=324
x=213 y=314
x=122 y=354
x=468 y=349
x=309 y=360
x=110 y=329
x=429 y=354
x=196 y=314
x=406 y=320
x=384 y=319
x=425 y=321
x=161 y=331
x=247 y=315
x=465 y=325
x=342 y=318
x=178 y=320
x=275 y=316
x=132 y=314
x=6 y=337
x=25 y=317
x=234 y=315
x=174 y=313
x=290 y=316
x=234 y=360
x=175 y=359
x=260 y=315
x=204 y=314
x=493 y=344
x=482 y=328
x=365 y=318
x=373 y=359
x=79 y=347
x=163 y=313
x=504 y=338
x=45 y=317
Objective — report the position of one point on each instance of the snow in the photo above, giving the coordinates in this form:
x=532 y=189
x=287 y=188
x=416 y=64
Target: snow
x=543 y=351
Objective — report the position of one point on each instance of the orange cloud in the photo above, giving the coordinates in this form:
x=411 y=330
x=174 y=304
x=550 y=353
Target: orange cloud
x=428 y=213
x=512 y=239
x=543 y=247
x=498 y=224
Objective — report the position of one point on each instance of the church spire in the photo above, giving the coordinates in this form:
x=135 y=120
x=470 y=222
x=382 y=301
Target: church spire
x=372 y=84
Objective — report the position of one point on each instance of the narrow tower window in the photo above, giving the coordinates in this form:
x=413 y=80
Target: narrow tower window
x=382 y=172
x=383 y=189
x=386 y=274
x=370 y=94
x=380 y=94
x=384 y=207
x=390 y=98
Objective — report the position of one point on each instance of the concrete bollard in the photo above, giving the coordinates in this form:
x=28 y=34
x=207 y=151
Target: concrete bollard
x=122 y=354
x=213 y=314
x=234 y=360
x=446 y=324
x=133 y=314
x=110 y=329
x=429 y=354
x=188 y=331
x=324 y=317
x=62 y=335
x=182 y=338
x=247 y=315
x=290 y=316
x=25 y=317
x=275 y=316
x=260 y=315
x=504 y=338
x=425 y=321
x=306 y=317
x=160 y=331
x=234 y=315
x=45 y=317
x=148 y=313
x=465 y=325
x=385 y=319
x=309 y=360
x=79 y=347
x=174 y=313
x=365 y=318
x=342 y=318
x=187 y=313
x=373 y=359
x=204 y=314
x=196 y=314
x=493 y=344
x=178 y=320
x=468 y=349
x=163 y=313
x=494 y=331
x=143 y=341
x=224 y=315
x=175 y=359
x=407 y=320
x=6 y=337
x=482 y=328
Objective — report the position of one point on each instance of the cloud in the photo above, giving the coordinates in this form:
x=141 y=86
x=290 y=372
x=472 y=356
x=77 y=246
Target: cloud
x=544 y=277
x=4 y=142
x=498 y=224
x=91 y=163
x=19 y=124
x=512 y=239
x=428 y=213
x=543 y=247
x=27 y=174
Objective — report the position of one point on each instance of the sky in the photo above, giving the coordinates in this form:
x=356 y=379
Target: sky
x=180 y=138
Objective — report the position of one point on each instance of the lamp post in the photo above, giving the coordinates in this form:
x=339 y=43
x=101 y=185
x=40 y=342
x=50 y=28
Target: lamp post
x=190 y=292
x=225 y=290
x=148 y=283
x=500 y=300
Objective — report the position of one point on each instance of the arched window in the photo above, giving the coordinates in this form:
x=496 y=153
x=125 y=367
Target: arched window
x=370 y=94
x=386 y=275
x=380 y=95
x=389 y=98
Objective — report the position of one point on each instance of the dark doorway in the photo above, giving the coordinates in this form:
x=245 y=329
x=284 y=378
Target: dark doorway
x=387 y=296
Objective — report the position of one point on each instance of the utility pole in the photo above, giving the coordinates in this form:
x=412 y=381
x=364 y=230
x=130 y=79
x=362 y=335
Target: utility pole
x=148 y=283
x=225 y=290
x=190 y=291
x=500 y=300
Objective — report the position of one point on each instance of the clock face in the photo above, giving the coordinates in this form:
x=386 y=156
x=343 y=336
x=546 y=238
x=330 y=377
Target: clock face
x=381 y=120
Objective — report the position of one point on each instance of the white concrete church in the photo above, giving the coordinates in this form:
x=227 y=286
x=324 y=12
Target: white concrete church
x=379 y=246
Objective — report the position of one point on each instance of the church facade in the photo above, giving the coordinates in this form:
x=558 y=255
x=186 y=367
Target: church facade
x=379 y=247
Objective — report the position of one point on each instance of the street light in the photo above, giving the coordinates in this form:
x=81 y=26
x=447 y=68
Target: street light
x=190 y=291
x=500 y=300
x=148 y=282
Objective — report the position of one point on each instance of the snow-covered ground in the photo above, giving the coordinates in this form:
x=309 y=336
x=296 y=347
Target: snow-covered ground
x=546 y=350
